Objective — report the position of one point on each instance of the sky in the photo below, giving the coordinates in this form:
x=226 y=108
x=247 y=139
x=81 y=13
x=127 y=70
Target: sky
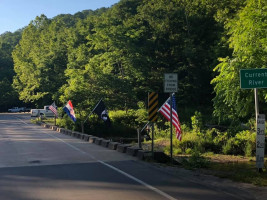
x=16 y=14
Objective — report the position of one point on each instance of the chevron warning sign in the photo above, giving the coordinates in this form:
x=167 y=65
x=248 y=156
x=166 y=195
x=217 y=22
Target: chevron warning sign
x=153 y=106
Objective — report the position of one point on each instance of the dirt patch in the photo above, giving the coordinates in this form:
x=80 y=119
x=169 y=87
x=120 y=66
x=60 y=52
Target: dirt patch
x=218 y=158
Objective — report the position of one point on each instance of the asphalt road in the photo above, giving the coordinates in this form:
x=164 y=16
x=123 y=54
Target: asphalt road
x=37 y=163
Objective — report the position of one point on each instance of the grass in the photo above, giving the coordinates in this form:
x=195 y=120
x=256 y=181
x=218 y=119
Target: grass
x=236 y=168
x=50 y=121
x=239 y=171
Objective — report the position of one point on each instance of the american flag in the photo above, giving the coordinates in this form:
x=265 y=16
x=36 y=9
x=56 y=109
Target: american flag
x=165 y=110
x=53 y=108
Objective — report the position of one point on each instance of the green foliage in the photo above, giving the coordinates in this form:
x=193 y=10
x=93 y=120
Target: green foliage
x=248 y=151
x=131 y=44
x=161 y=131
x=141 y=114
x=241 y=172
x=247 y=32
x=243 y=143
x=212 y=140
x=123 y=118
x=189 y=141
x=197 y=123
x=8 y=96
x=122 y=124
x=196 y=160
x=188 y=151
x=40 y=60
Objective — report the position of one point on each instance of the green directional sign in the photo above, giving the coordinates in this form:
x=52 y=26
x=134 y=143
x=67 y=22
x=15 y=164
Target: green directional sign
x=253 y=78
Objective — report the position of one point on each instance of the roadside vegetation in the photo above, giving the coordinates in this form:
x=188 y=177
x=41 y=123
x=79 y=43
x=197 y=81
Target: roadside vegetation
x=121 y=53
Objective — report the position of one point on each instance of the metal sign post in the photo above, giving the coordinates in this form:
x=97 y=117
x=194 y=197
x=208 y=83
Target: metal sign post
x=260 y=142
x=152 y=114
x=171 y=150
x=152 y=139
x=253 y=79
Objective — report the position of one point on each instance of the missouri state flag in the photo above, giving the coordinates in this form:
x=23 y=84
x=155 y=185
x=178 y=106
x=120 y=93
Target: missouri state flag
x=68 y=108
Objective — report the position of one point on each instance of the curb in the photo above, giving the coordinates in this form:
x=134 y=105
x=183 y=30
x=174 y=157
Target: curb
x=113 y=145
x=122 y=148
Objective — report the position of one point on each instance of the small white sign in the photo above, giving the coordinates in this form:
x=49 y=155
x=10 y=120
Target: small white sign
x=260 y=141
x=170 y=82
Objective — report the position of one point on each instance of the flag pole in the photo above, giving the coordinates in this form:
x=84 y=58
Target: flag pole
x=92 y=110
x=144 y=127
x=89 y=115
x=152 y=142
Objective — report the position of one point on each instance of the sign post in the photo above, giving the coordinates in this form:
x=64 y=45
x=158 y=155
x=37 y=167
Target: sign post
x=152 y=114
x=170 y=86
x=254 y=79
x=260 y=142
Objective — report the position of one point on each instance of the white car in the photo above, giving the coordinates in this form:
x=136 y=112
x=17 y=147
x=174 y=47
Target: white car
x=46 y=112
x=16 y=109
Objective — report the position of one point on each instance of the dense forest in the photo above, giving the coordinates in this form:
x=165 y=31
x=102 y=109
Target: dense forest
x=121 y=53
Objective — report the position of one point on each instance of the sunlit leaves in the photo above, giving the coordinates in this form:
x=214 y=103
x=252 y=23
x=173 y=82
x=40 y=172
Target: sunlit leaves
x=248 y=39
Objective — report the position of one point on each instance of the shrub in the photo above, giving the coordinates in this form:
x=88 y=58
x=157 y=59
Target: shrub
x=227 y=148
x=189 y=140
x=197 y=123
x=248 y=150
x=188 y=151
x=243 y=143
x=162 y=132
x=177 y=151
x=167 y=149
x=196 y=160
x=247 y=141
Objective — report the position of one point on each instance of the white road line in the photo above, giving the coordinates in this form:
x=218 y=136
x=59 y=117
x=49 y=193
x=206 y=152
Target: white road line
x=138 y=181
x=117 y=170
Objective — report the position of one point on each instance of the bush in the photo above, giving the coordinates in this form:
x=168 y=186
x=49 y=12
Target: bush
x=243 y=143
x=188 y=151
x=227 y=148
x=167 y=150
x=66 y=122
x=123 y=124
x=248 y=150
x=189 y=140
x=196 y=160
x=197 y=123
x=177 y=151
x=161 y=132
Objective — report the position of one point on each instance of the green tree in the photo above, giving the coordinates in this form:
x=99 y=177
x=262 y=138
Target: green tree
x=41 y=58
x=248 y=40
x=8 y=96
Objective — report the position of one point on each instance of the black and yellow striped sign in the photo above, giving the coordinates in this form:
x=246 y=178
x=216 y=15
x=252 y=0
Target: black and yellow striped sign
x=153 y=106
